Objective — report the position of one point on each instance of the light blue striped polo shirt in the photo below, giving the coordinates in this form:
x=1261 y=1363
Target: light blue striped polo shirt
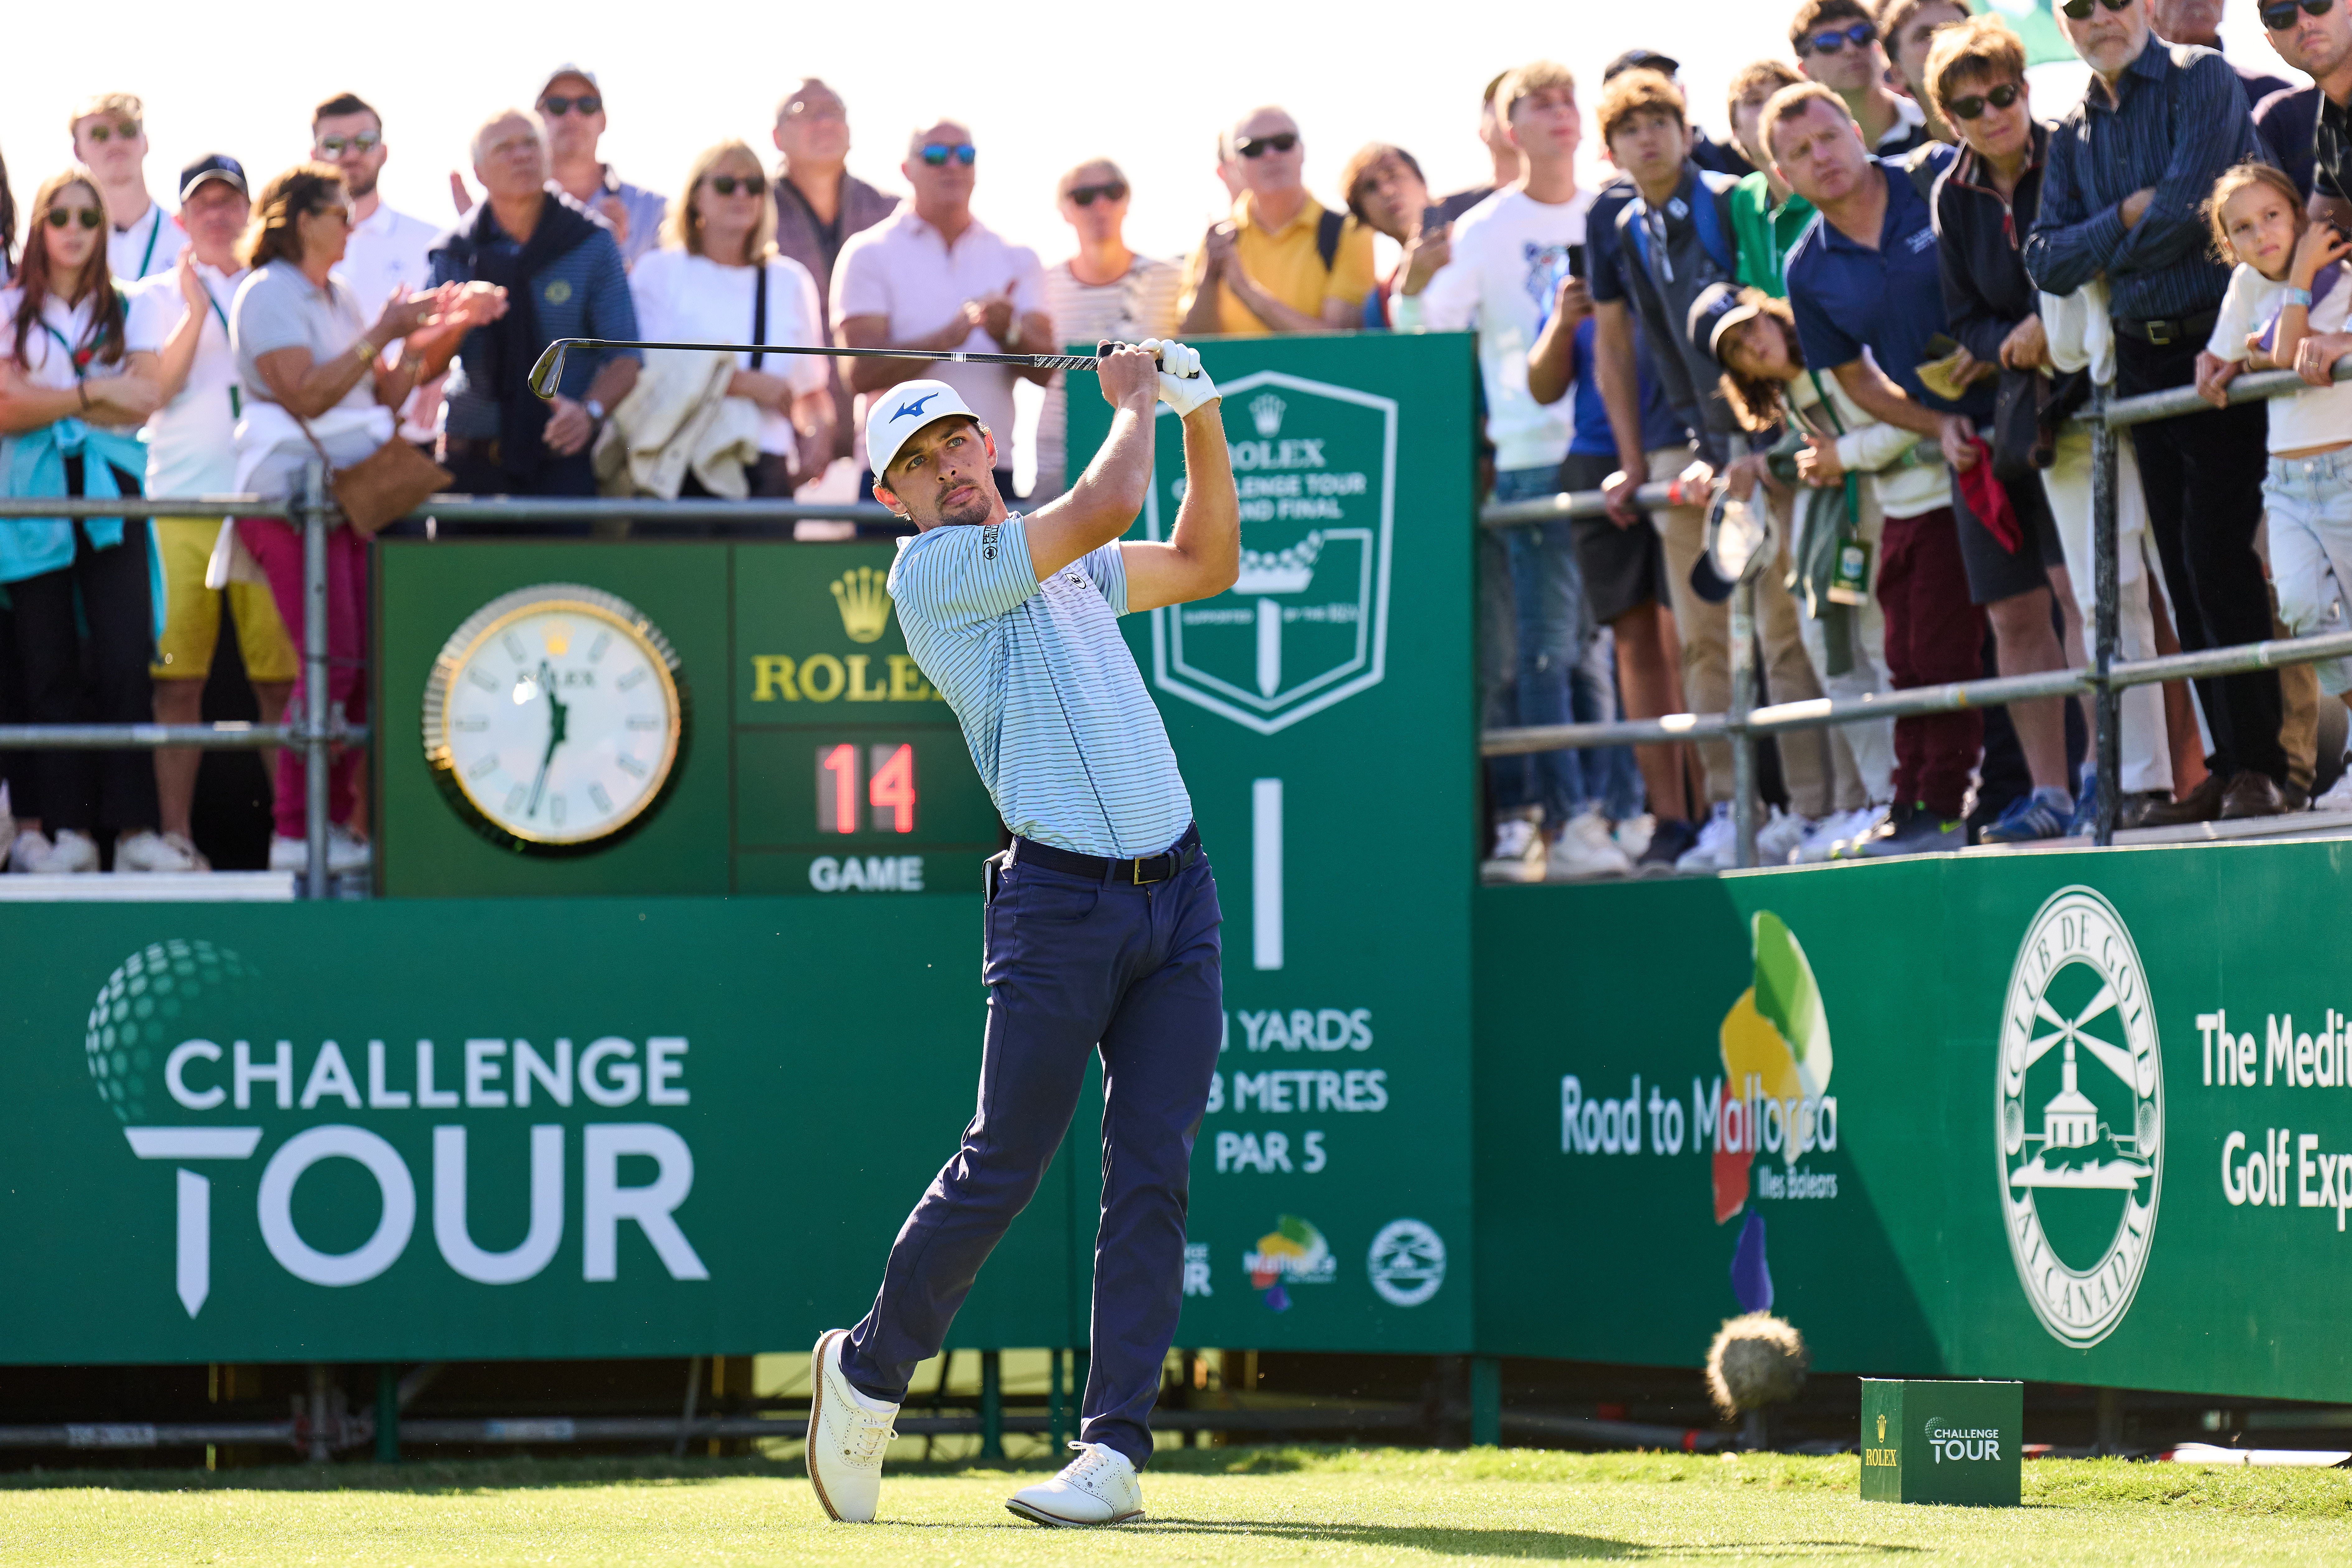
x=1060 y=726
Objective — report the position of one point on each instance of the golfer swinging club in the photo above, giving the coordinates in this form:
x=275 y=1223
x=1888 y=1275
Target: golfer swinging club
x=1101 y=924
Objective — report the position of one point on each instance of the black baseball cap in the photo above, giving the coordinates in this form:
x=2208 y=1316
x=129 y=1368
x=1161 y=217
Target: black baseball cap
x=1641 y=59
x=213 y=166
x=1718 y=307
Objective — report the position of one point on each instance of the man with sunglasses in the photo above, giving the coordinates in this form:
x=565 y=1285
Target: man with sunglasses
x=1282 y=262
x=572 y=105
x=387 y=249
x=109 y=139
x=932 y=276
x=2122 y=196
x=1836 y=44
x=2315 y=38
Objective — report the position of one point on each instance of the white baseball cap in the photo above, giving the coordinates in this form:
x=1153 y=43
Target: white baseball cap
x=896 y=415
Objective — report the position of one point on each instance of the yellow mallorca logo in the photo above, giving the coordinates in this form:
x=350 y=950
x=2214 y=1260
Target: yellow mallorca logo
x=863 y=597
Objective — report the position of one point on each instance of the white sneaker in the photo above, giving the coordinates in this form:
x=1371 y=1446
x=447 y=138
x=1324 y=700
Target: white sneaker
x=846 y=1435
x=1518 y=854
x=1717 y=848
x=1633 y=835
x=1099 y=1487
x=346 y=851
x=1828 y=832
x=1877 y=826
x=28 y=849
x=147 y=850
x=71 y=853
x=1777 y=839
x=1584 y=852
x=2338 y=796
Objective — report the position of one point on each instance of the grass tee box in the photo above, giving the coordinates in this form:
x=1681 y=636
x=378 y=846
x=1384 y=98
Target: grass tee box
x=1925 y=1441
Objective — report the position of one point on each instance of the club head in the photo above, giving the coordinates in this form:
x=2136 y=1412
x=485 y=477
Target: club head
x=548 y=372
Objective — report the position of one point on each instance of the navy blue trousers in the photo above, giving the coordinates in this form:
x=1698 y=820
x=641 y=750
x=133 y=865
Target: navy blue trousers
x=1073 y=966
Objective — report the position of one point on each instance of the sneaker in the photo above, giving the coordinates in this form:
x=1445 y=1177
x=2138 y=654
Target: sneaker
x=1882 y=821
x=346 y=851
x=1633 y=835
x=846 y=1435
x=1518 y=854
x=1669 y=841
x=71 y=853
x=1831 y=831
x=2338 y=796
x=147 y=850
x=1920 y=833
x=28 y=849
x=1584 y=852
x=1717 y=848
x=1099 y=1487
x=1776 y=840
x=2044 y=814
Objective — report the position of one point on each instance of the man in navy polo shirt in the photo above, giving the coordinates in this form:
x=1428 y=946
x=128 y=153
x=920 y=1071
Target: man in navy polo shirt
x=1864 y=280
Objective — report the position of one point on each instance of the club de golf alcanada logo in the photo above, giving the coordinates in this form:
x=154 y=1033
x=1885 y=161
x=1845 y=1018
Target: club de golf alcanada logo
x=2080 y=1117
x=1305 y=624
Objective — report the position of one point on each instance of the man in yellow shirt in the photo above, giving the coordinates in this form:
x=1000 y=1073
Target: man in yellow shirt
x=1283 y=262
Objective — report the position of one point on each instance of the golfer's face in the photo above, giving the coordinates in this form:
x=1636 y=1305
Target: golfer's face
x=945 y=474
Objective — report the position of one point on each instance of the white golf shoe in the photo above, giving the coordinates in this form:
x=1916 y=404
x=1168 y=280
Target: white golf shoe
x=1099 y=1487
x=847 y=1433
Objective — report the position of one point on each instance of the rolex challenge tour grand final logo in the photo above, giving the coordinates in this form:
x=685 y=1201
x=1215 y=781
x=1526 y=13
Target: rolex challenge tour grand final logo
x=2080 y=1117
x=1305 y=624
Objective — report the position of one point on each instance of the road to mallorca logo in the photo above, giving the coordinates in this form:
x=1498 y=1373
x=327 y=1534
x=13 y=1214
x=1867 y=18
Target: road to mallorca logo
x=1305 y=624
x=1293 y=1253
x=2079 y=1117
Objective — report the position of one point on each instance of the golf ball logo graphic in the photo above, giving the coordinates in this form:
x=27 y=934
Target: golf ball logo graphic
x=148 y=1005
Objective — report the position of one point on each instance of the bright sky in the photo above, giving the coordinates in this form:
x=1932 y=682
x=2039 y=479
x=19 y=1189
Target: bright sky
x=1043 y=85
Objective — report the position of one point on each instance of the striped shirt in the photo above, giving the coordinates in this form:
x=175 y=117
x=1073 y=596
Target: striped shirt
x=2180 y=122
x=1060 y=726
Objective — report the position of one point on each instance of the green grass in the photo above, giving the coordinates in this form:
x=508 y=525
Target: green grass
x=1240 y=1506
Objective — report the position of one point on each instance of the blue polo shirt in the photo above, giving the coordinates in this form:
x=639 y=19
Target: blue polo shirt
x=1890 y=300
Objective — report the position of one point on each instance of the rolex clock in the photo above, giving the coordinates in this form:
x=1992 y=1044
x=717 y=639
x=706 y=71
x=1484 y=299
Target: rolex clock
x=555 y=719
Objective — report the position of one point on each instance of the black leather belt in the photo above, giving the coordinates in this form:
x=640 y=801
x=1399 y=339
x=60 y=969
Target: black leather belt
x=2164 y=334
x=1141 y=871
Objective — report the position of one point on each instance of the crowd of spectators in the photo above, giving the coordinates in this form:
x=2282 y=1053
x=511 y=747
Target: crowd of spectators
x=1852 y=329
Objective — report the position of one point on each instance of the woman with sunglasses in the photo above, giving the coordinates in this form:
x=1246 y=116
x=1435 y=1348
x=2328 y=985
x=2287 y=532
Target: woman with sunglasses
x=74 y=389
x=1106 y=290
x=717 y=278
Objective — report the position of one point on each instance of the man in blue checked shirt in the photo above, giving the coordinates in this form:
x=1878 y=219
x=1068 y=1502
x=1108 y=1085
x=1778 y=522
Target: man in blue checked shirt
x=2129 y=170
x=1101 y=931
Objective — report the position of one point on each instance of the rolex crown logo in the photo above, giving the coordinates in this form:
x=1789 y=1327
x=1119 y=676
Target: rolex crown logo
x=1265 y=413
x=863 y=597
x=1882 y=1428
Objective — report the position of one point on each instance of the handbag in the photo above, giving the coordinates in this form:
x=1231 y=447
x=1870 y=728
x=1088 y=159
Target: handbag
x=2021 y=445
x=772 y=476
x=382 y=486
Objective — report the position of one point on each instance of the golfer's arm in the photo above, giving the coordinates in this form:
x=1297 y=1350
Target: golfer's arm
x=1202 y=555
x=1103 y=504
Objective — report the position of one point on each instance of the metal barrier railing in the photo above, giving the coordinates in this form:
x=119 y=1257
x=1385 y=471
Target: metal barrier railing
x=2103 y=681
x=318 y=730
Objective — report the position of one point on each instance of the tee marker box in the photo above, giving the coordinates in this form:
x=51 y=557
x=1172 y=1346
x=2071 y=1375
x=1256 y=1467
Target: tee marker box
x=1928 y=1441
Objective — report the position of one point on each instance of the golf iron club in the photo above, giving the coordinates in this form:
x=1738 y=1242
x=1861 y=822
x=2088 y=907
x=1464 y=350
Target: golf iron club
x=548 y=372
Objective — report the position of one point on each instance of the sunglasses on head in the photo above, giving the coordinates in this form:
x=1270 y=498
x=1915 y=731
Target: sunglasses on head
x=1115 y=191
x=1969 y=107
x=936 y=154
x=366 y=142
x=1259 y=146
x=90 y=217
x=2080 y=10
x=586 y=103
x=2280 y=17
x=1860 y=35
x=128 y=131
x=749 y=184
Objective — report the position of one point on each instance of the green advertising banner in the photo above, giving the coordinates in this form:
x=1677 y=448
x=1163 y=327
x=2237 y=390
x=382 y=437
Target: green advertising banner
x=1321 y=712
x=2078 y=1117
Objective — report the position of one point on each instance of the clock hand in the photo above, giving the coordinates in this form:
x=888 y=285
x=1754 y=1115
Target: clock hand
x=556 y=715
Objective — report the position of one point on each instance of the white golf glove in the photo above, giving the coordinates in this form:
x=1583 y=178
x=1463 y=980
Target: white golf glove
x=1183 y=385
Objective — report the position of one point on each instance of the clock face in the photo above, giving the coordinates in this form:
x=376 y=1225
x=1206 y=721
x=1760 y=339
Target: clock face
x=554 y=717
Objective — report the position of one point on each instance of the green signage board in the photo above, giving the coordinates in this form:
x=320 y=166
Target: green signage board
x=1940 y=1441
x=1320 y=710
x=2033 y=1117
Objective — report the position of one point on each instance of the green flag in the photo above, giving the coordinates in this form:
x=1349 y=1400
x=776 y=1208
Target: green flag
x=2033 y=24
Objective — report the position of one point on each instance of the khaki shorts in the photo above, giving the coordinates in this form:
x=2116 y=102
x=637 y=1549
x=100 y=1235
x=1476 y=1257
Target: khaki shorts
x=192 y=611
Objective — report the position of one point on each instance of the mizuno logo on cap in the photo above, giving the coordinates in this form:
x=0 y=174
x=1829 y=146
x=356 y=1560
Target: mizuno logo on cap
x=913 y=406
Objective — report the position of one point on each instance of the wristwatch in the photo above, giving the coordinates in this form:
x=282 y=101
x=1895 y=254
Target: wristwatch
x=596 y=410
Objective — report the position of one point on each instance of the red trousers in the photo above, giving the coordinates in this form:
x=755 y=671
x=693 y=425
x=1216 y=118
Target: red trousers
x=279 y=547
x=1933 y=636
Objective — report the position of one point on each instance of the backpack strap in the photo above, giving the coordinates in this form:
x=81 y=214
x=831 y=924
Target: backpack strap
x=760 y=312
x=1327 y=236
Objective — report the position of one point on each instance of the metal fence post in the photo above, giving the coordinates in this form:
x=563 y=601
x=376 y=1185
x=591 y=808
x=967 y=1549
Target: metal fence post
x=313 y=511
x=1743 y=701
x=2108 y=704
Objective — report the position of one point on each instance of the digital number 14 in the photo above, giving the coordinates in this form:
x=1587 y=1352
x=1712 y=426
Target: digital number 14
x=889 y=792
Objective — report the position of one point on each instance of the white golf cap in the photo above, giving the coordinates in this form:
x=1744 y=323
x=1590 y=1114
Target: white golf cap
x=897 y=414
